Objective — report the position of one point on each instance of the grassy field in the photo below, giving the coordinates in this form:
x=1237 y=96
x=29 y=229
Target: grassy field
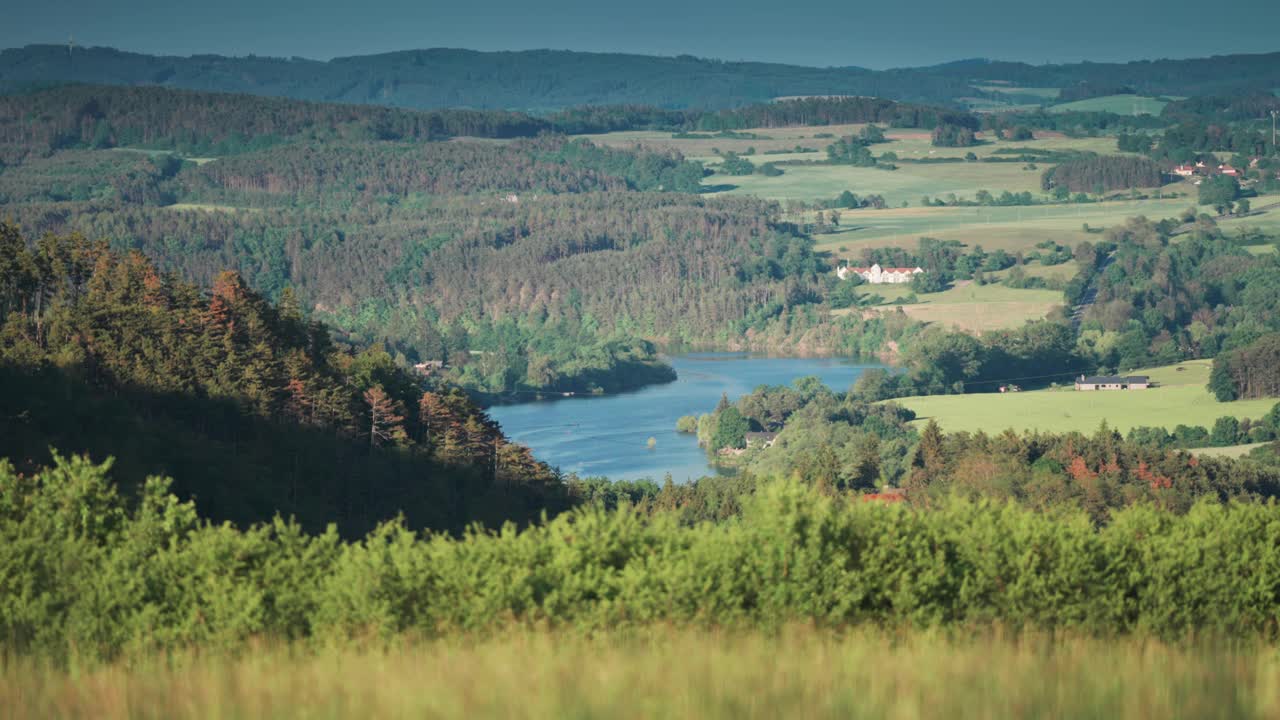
x=1233 y=451
x=1003 y=228
x=907 y=143
x=1179 y=399
x=798 y=672
x=210 y=207
x=1048 y=93
x=144 y=151
x=908 y=183
x=1119 y=104
x=970 y=307
x=770 y=139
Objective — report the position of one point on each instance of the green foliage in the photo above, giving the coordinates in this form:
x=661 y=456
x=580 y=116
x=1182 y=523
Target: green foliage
x=954 y=134
x=734 y=164
x=87 y=573
x=1219 y=191
x=1252 y=371
x=1226 y=431
x=731 y=430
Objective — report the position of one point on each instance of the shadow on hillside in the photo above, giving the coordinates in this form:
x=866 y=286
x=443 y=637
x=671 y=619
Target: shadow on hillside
x=242 y=468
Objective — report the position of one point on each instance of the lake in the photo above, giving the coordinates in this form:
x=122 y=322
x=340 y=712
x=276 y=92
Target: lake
x=608 y=434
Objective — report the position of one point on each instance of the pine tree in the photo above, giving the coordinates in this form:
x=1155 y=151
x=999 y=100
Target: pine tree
x=386 y=421
x=866 y=465
x=930 y=455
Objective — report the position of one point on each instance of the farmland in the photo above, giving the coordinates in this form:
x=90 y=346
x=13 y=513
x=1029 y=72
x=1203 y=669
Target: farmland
x=906 y=184
x=801 y=672
x=994 y=228
x=1180 y=398
x=971 y=307
x=1118 y=104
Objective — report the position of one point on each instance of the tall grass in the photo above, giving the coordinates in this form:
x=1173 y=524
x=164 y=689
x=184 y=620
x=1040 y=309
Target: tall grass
x=662 y=673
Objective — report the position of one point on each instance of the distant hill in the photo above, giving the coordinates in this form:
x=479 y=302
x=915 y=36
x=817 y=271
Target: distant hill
x=540 y=80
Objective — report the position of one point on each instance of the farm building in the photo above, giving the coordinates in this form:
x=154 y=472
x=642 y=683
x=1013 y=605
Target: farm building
x=761 y=439
x=877 y=275
x=1113 y=382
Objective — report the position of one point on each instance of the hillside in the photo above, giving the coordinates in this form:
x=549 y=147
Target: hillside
x=548 y=79
x=253 y=406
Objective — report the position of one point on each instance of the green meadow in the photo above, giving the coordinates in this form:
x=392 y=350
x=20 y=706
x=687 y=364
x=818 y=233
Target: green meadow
x=1003 y=228
x=906 y=184
x=1180 y=398
x=968 y=306
x=1118 y=104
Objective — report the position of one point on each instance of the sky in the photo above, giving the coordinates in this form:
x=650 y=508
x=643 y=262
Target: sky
x=804 y=32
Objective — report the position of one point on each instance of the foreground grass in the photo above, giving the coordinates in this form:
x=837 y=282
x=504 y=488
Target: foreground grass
x=1180 y=398
x=800 y=672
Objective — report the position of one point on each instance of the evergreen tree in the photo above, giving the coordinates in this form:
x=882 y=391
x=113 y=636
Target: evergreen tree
x=386 y=418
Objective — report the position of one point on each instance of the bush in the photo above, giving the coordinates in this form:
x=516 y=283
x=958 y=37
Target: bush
x=81 y=572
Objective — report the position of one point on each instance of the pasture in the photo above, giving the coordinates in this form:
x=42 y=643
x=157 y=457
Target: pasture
x=1004 y=228
x=1234 y=451
x=1118 y=104
x=907 y=143
x=967 y=306
x=798 y=671
x=1180 y=398
x=906 y=184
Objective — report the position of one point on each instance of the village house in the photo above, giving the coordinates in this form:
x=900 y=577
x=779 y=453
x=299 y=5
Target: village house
x=428 y=367
x=1184 y=170
x=1112 y=382
x=1228 y=170
x=761 y=439
x=877 y=275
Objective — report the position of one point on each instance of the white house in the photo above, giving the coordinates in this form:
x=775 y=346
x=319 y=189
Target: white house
x=877 y=275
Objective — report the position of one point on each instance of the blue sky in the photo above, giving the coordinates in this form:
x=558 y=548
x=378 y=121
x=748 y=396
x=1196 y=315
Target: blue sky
x=807 y=32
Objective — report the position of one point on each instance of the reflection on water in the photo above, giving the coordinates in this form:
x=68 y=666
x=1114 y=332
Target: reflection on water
x=608 y=435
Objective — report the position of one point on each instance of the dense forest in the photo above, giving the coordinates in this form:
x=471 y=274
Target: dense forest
x=250 y=404
x=1159 y=301
x=1102 y=173
x=202 y=123
x=550 y=80
x=1252 y=371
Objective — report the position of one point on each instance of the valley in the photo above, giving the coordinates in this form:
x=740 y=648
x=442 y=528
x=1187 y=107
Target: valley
x=606 y=384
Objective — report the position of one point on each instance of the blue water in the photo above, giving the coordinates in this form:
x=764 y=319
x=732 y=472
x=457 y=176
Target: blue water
x=607 y=434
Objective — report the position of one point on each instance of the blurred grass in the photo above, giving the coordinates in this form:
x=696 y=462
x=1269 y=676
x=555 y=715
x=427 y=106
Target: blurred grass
x=661 y=672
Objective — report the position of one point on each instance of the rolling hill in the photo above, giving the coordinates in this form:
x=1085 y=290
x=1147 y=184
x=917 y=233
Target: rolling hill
x=552 y=79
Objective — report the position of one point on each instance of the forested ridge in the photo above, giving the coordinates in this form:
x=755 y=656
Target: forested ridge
x=197 y=123
x=549 y=80
x=39 y=122
x=251 y=405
